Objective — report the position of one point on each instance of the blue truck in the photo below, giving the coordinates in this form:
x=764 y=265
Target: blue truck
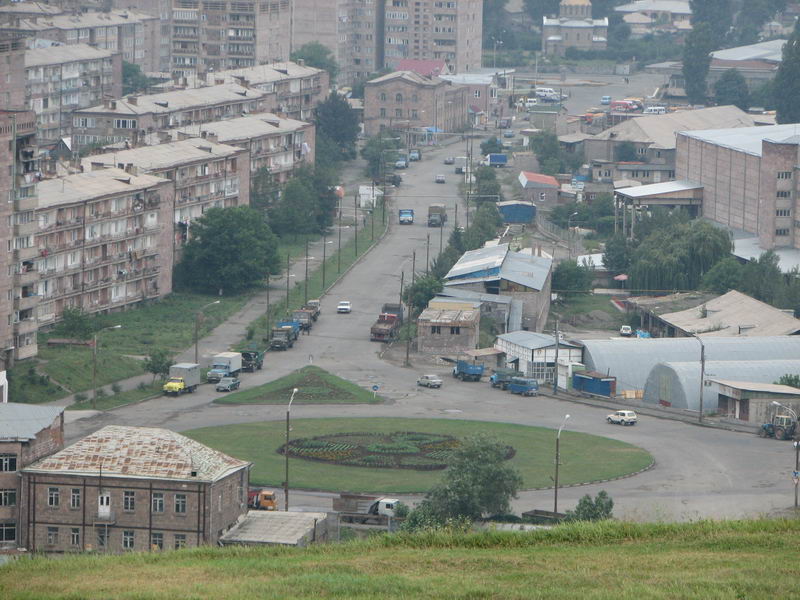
x=502 y=377
x=284 y=335
x=523 y=386
x=467 y=371
x=406 y=216
x=495 y=160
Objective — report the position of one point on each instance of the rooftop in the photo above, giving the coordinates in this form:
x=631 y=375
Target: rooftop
x=409 y=76
x=93 y=184
x=274 y=527
x=251 y=126
x=21 y=422
x=537 y=178
x=747 y=139
x=64 y=54
x=680 y=7
x=425 y=67
x=656 y=189
x=447 y=317
x=498 y=262
x=770 y=51
x=30 y=8
x=660 y=305
x=88 y=19
x=140 y=452
x=164 y=156
x=532 y=340
x=753 y=386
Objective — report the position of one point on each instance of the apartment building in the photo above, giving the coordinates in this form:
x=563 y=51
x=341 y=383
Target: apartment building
x=200 y=174
x=12 y=71
x=135 y=35
x=131 y=118
x=410 y=101
x=60 y=79
x=27 y=434
x=103 y=242
x=125 y=489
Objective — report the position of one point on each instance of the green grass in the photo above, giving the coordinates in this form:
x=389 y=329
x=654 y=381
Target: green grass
x=583 y=457
x=594 y=561
x=121 y=399
x=314 y=385
x=574 y=309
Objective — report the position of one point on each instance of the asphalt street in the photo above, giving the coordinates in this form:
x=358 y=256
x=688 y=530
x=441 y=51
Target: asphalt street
x=699 y=472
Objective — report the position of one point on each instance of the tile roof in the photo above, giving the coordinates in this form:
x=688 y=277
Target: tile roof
x=21 y=422
x=538 y=178
x=140 y=452
x=410 y=76
x=427 y=68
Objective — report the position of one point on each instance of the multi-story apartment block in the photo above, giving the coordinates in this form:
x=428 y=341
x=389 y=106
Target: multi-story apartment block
x=60 y=79
x=28 y=10
x=200 y=173
x=131 y=488
x=133 y=34
x=12 y=72
x=103 y=241
x=27 y=434
x=410 y=101
x=132 y=118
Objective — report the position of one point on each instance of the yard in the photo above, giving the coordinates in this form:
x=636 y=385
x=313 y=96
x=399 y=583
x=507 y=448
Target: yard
x=587 y=311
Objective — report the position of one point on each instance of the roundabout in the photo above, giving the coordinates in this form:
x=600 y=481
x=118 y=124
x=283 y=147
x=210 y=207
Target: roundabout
x=397 y=455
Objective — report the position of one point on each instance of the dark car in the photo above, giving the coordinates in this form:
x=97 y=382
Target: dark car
x=450 y=160
x=228 y=384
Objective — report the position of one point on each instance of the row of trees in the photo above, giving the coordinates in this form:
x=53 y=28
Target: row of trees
x=553 y=159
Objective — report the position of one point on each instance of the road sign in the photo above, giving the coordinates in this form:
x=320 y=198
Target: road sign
x=375 y=388
x=796 y=477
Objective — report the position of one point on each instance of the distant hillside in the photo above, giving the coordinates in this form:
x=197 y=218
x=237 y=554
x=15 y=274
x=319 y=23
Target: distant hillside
x=741 y=559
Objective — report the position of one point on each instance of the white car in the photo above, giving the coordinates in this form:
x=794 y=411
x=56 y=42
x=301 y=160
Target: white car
x=344 y=307
x=626 y=331
x=622 y=417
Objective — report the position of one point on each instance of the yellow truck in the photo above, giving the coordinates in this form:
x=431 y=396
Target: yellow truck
x=183 y=378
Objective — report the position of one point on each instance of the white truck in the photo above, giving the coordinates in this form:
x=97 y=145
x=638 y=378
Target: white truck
x=461 y=165
x=224 y=364
x=365 y=510
x=183 y=378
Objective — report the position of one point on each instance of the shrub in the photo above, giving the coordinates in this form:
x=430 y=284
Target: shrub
x=80 y=398
x=116 y=388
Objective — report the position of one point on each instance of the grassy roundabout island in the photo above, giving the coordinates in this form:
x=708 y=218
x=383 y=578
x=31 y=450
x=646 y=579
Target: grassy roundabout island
x=405 y=455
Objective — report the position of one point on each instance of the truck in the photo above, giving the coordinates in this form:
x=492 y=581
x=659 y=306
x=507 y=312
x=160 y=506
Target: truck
x=303 y=316
x=183 y=378
x=365 y=510
x=523 y=386
x=414 y=155
x=495 y=160
x=282 y=338
x=500 y=378
x=261 y=499
x=461 y=164
x=467 y=371
x=437 y=215
x=315 y=307
x=252 y=360
x=388 y=324
x=224 y=364
x=406 y=216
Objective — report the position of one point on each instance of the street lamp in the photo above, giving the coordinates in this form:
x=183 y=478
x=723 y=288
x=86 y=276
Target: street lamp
x=94 y=363
x=796 y=474
x=494 y=54
x=197 y=327
x=286 y=455
x=558 y=456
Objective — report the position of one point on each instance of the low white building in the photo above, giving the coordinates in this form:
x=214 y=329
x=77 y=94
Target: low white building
x=535 y=353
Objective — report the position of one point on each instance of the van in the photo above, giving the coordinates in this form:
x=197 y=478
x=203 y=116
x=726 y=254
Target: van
x=623 y=106
x=545 y=92
x=655 y=110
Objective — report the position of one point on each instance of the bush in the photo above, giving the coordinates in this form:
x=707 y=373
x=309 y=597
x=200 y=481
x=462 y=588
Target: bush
x=80 y=398
x=587 y=509
x=116 y=388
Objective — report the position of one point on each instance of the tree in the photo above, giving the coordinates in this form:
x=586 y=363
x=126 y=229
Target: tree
x=263 y=189
x=570 y=278
x=158 y=363
x=762 y=278
x=491 y=146
x=487 y=188
x=723 y=277
x=133 y=80
x=295 y=211
x=316 y=55
x=378 y=153
x=716 y=15
x=493 y=20
x=76 y=324
x=790 y=379
x=337 y=121
x=618 y=254
x=787 y=81
x=421 y=292
x=541 y=8
x=696 y=61
x=731 y=88
x=625 y=152
x=230 y=249
x=599 y=509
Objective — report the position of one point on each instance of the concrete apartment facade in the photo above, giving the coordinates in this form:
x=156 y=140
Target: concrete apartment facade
x=125 y=489
x=60 y=79
x=27 y=434
x=410 y=101
x=199 y=173
x=573 y=28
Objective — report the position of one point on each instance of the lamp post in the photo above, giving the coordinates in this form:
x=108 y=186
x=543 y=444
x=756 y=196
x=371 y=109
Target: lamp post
x=94 y=363
x=702 y=374
x=197 y=327
x=558 y=456
x=569 y=230
x=494 y=54
x=286 y=455
x=796 y=444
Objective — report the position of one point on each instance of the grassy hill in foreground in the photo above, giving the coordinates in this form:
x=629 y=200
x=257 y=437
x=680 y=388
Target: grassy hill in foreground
x=741 y=559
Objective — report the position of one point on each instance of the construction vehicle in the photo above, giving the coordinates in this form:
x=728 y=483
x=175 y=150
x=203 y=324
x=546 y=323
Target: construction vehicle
x=437 y=215
x=523 y=386
x=183 y=378
x=252 y=360
x=365 y=510
x=261 y=499
x=406 y=216
x=304 y=317
x=501 y=377
x=782 y=427
x=388 y=324
x=466 y=371
x=224 y=364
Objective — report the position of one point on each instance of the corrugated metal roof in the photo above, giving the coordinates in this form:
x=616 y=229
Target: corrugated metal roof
x=532 y=340
x=21 y=422
x=497 y=262
x=679 y=7
x=273 y=527
x=744 y=139
x=771 y=50
x=409 y=76
x=454 y=292
x=480 y=260
x=141 y=452
x=515 y=316
x=527 y=270
x=750 y=386
x=655 y=189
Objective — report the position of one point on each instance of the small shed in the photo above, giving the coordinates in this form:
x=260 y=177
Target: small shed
x=516 y=211
x=448 y=331
x=278 y=528
x=753 y=401
x=592 y=382
x=538 y=187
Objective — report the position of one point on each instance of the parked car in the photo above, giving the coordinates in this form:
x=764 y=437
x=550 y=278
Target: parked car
x=431 y=381
x=414 y=155
x=395 y=180
x=622 y=417
x=344 y=307
x=531 y=102
x=605 y=100
x=439 y=179
x=509 y=133
x=626 y=331
x=228 y=384
x=450 y=160
x=401 y=164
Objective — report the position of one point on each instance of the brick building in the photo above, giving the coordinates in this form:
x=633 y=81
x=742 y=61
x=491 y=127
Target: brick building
x=448 y=331
x=574 y=28
x=411 y=101
x=60 y=79
x=131 y=488
x=27 y=433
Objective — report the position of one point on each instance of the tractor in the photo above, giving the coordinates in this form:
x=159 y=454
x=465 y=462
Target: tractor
x=783 y=427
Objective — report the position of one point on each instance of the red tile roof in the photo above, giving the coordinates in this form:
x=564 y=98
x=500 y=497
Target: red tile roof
x=539 y=178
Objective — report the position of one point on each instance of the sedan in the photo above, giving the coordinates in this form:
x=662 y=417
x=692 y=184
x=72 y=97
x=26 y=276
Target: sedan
x=439 y=179
x=431 y=381
x=228 y=384
x=450 y=160
x=509 y=133
x=344 y=307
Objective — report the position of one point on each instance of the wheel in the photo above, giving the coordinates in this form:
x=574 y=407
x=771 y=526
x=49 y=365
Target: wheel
x=762 y=432
x=780 y=433
x=610 y=422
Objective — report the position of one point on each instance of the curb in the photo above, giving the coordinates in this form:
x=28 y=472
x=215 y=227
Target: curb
x=596 y=481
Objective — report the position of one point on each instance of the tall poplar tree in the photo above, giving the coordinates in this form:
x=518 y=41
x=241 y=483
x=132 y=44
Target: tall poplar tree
x=787 y=81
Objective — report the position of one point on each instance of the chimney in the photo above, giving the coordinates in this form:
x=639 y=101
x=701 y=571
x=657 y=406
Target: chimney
x=133 y=100
x=131 y=169
x=106 y=102
x=163 y=137
x=212 y=137
x=113 y=105
x=182 y=135
x=301 y=62
x=98 y=166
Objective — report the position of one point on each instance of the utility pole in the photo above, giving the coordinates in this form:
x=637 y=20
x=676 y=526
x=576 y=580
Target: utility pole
x=796 y=470
x=355 y=221
x=413 y=267
x=408 y=333
x=702 y=374
x=428 y=254
x=287 y=281
x=441 y=237
x=324 y=254
x=402 y=277
x=339 y=249
x=267 y=314
x=305 y=282
x=455 y=221
x=555 y=386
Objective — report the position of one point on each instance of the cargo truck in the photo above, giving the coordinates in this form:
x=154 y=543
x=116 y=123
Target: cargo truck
x=303 y=316
x=388 y=324
x=282 y=338
x=183 y=378
x=501 y=377
x=461 y=164
x=252 y=360
x=261 y=499
x=437 y=215
x=313 y=306
x=406 y=216
x=357 y=508
x=466 y=371
x=224 y=364
x=495 y=160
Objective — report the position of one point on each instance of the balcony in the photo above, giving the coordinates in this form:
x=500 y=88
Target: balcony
x=26 y=253
x=25 y=303
x=31 y=350
x=25 y=326
x=26 y=277
x=23 y=204
x=104 y=517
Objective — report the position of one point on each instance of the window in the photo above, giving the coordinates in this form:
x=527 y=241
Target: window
x=8 y=497
x=158 y=502
x=8 y=532
x=455 y=331
x=52 y=535
x=781 y=232
x=383 y=97
x=477 y=93
x=8 y=462
x=398 y=112
x=783 y=212
x=180 y=503
x=75 y=536
x=398 y=97
x=436 y=329
x=641 y=150
x=127 y=540
x=52 y=497
x=156 y=541
x=784 y=194
x=75 y=498
x=180 y=541
x=102 y=537
x=784 y=174
x=128 y=500
x=124 y=123
x=383 y=112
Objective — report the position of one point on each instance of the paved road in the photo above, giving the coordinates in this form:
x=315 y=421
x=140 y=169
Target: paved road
x=699 y=472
